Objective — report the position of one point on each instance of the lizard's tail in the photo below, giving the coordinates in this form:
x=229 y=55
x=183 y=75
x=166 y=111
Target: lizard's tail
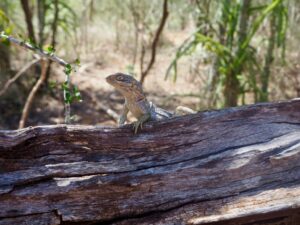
x=182 y=110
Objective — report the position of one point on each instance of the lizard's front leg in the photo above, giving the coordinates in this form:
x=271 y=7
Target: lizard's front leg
x=123 y=116
x=140 y=122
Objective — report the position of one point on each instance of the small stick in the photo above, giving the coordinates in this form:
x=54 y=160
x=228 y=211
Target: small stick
x=18 y=74
x=37 y=50
x=32 y=94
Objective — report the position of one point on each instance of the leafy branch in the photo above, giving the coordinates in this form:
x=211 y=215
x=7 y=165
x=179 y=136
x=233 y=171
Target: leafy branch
x=31 y=46
x=69 y=95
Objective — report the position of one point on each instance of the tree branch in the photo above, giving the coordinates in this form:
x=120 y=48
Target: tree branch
x=56 y=59
x=155 y=40
x=52 y=57
x=28 y=18
x=53 y=38
x=111 y=113
x=34 y=49
x=32 y=94
x=18 y=74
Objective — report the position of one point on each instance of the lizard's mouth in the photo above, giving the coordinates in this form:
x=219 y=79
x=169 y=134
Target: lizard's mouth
x=109 y=79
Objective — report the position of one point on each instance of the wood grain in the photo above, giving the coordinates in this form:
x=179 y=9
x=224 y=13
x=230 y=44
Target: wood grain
x=233 y=166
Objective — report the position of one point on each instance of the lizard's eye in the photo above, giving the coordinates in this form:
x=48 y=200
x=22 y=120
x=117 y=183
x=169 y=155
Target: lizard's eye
x=120 y=78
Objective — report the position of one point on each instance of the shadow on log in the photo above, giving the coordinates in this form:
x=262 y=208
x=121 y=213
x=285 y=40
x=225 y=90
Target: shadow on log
x=233 y=166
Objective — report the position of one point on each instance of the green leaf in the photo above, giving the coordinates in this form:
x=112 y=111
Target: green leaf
x=130 y=70
x=68 y=97
x=77 y=94
x=52 y=84
x=65 y=86
x=3 y=18
x=4 y=39
x=68 y=69
x=257 y=8
x=77 y=62
x=258 y=21
x=8 y=30
x=20 y=36
x=33 y=44
x=50 y=50
x=68 y=8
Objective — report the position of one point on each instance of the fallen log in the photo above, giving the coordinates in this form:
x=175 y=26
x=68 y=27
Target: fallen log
x=232 y=166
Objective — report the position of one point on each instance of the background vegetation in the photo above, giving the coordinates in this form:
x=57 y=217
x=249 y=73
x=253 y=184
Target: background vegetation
x=200 y=53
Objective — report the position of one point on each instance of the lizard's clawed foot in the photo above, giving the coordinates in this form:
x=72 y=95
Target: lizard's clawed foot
x=140 y=122
x=136 y=126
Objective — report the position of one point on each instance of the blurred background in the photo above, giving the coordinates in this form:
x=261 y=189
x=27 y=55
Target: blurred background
x=203 y=54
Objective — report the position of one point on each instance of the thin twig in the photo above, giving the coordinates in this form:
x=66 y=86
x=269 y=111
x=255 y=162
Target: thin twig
x=58 y=60
x=136 y=18
x=111 y=113
x=54 y=30
x=142 y=56
x=50 y=56
x=155 y=40
x=32 y=94
x=14 y=78
x=170 y=97
x=32 y=48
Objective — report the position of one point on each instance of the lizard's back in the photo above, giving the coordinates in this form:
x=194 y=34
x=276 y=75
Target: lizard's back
x=159 y=113
x=136 y=101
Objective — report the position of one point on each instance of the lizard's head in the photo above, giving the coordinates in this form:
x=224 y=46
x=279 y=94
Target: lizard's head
x=120 y=80
x=126 y=84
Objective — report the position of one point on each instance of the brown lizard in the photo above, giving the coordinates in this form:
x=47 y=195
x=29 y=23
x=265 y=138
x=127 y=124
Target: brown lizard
x=137 y=103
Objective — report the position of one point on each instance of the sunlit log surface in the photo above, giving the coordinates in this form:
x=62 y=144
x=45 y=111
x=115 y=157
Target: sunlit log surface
x=232 y=166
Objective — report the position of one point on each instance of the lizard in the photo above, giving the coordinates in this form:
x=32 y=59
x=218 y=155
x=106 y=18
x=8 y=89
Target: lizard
x=137 y=103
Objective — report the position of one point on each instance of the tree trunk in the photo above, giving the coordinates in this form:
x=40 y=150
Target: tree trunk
x=268 y=60
x=5 y=66
x=28 y=18
x=243 y=21
x=4 y=60
x=232 y=84
x=231 y=89
x=41 y=12
x=234 y=166
x=53 y=38
x=165 y=14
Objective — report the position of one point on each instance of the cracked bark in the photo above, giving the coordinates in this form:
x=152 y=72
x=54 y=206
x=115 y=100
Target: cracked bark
x=233 y=166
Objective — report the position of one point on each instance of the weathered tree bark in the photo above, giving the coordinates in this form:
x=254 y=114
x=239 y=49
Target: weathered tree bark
x=232 y=166
x=17 y=76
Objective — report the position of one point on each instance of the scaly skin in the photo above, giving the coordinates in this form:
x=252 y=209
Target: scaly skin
x=136 y=101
